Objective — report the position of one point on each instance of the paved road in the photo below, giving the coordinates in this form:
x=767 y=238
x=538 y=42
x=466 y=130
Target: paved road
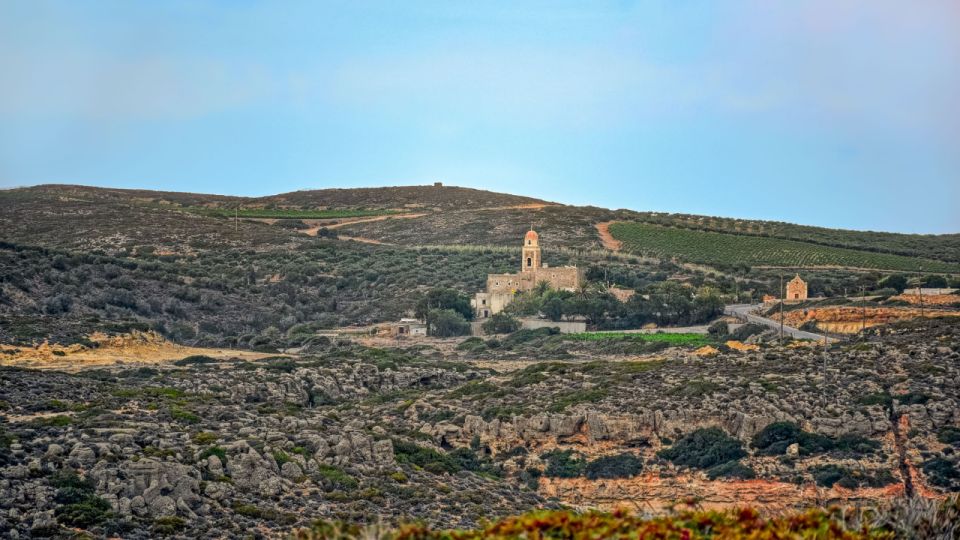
x=744 y=312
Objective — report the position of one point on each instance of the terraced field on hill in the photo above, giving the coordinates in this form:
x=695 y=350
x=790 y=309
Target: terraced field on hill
x=722 y=249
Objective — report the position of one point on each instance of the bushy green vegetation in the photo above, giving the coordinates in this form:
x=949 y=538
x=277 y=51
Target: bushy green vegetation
x=500 y=323
x=575 y=397
x=617 y=466
x=446 y=323
x=79 y=504
x=949 y=435
x=268 y=514
x=707 y=448
x=568 y=464
x=194 y=360
x=218 y=451
x=664 y=303
x=774 y=439
x=830 y=474
x=731 y=249
x=167 y=525
x=437 y=462
x=563 y=464
x=336 y=478
x=942 y=472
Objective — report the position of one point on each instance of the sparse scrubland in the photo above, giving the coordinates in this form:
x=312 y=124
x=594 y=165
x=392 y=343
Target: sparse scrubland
x=336 y=435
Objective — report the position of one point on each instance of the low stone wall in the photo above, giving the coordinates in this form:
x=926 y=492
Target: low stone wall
x=566 y=327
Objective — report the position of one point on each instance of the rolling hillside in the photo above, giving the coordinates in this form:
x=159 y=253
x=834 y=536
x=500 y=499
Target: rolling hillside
x=98 y=256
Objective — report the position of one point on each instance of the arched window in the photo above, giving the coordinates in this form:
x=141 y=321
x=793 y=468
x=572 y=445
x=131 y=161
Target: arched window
x=529 y=262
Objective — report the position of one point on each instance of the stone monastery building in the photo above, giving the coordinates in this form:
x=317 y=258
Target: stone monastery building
x=501 y=288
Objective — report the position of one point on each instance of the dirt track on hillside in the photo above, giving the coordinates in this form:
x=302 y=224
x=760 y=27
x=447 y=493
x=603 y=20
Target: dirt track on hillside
x=608 y=240
x=312 y=231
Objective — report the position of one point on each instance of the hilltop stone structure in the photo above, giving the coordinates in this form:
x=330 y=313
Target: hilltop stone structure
x=796 y=289
x=501 y=288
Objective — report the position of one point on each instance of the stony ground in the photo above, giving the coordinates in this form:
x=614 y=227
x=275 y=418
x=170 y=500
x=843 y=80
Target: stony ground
x=213 y=448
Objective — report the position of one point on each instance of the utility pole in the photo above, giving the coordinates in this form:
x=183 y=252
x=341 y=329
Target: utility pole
x=920 y=290
x=236 y=219
x=863 y=304
x=781 y=309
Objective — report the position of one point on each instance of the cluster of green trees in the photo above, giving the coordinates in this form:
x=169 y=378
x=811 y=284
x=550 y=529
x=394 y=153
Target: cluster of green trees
x=665 y=303
x=447 y=312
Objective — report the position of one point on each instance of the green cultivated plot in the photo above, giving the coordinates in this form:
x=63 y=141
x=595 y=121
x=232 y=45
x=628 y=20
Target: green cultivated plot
x=730 y=249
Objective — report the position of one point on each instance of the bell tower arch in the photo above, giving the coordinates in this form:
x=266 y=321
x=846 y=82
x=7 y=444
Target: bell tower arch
x=530 y=261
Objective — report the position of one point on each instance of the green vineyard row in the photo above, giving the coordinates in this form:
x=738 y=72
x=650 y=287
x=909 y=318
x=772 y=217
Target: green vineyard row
x=713 y=248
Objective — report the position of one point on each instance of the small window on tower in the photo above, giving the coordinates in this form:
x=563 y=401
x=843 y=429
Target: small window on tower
x=529 y=262
x=529 y=242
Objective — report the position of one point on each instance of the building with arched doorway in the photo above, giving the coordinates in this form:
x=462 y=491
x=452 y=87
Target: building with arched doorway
x=796 y=289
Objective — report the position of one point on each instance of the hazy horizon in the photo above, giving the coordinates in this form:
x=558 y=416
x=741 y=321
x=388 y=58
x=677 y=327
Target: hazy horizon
x=840 y=116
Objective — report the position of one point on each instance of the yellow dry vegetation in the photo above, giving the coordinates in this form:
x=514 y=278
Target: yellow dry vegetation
x=133 y=348
x=740 y=346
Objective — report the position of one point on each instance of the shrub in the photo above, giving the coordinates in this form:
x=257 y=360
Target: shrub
x=562 y=464
x=774 y=439
x=281 y=457
x=337 y=478
x=718 y=329
x=828 y=475
x=427 y=458
x=569 y=399
x=90 y=511
x=214 y=451
x=619 y=466
x=167 y=525
x=747 y=330
x=894 y=281
x=912 y=398
x=856 y=444
x=949 y=435
x=731 y=469
x=194 y=360
x=879 y=398
x=704 y=448
x=444 y=300
x=183 y=415
x=205 y=437
x=268 y=514
x=447 y=323
x=81 y=507
x=467 y=460
x=501 y=323
x=472 y=344
x=941 y=472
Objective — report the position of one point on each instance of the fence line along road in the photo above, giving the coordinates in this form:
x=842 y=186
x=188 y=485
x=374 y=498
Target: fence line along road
x=744 y=312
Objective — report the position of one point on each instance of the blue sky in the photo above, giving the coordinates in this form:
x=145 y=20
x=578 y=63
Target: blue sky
x=842 y=114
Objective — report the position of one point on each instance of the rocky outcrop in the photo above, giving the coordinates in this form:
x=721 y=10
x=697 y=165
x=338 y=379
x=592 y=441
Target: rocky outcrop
x=654 y=493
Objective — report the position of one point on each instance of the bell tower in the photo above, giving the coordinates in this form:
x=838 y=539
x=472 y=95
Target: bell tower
x=531 y=252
